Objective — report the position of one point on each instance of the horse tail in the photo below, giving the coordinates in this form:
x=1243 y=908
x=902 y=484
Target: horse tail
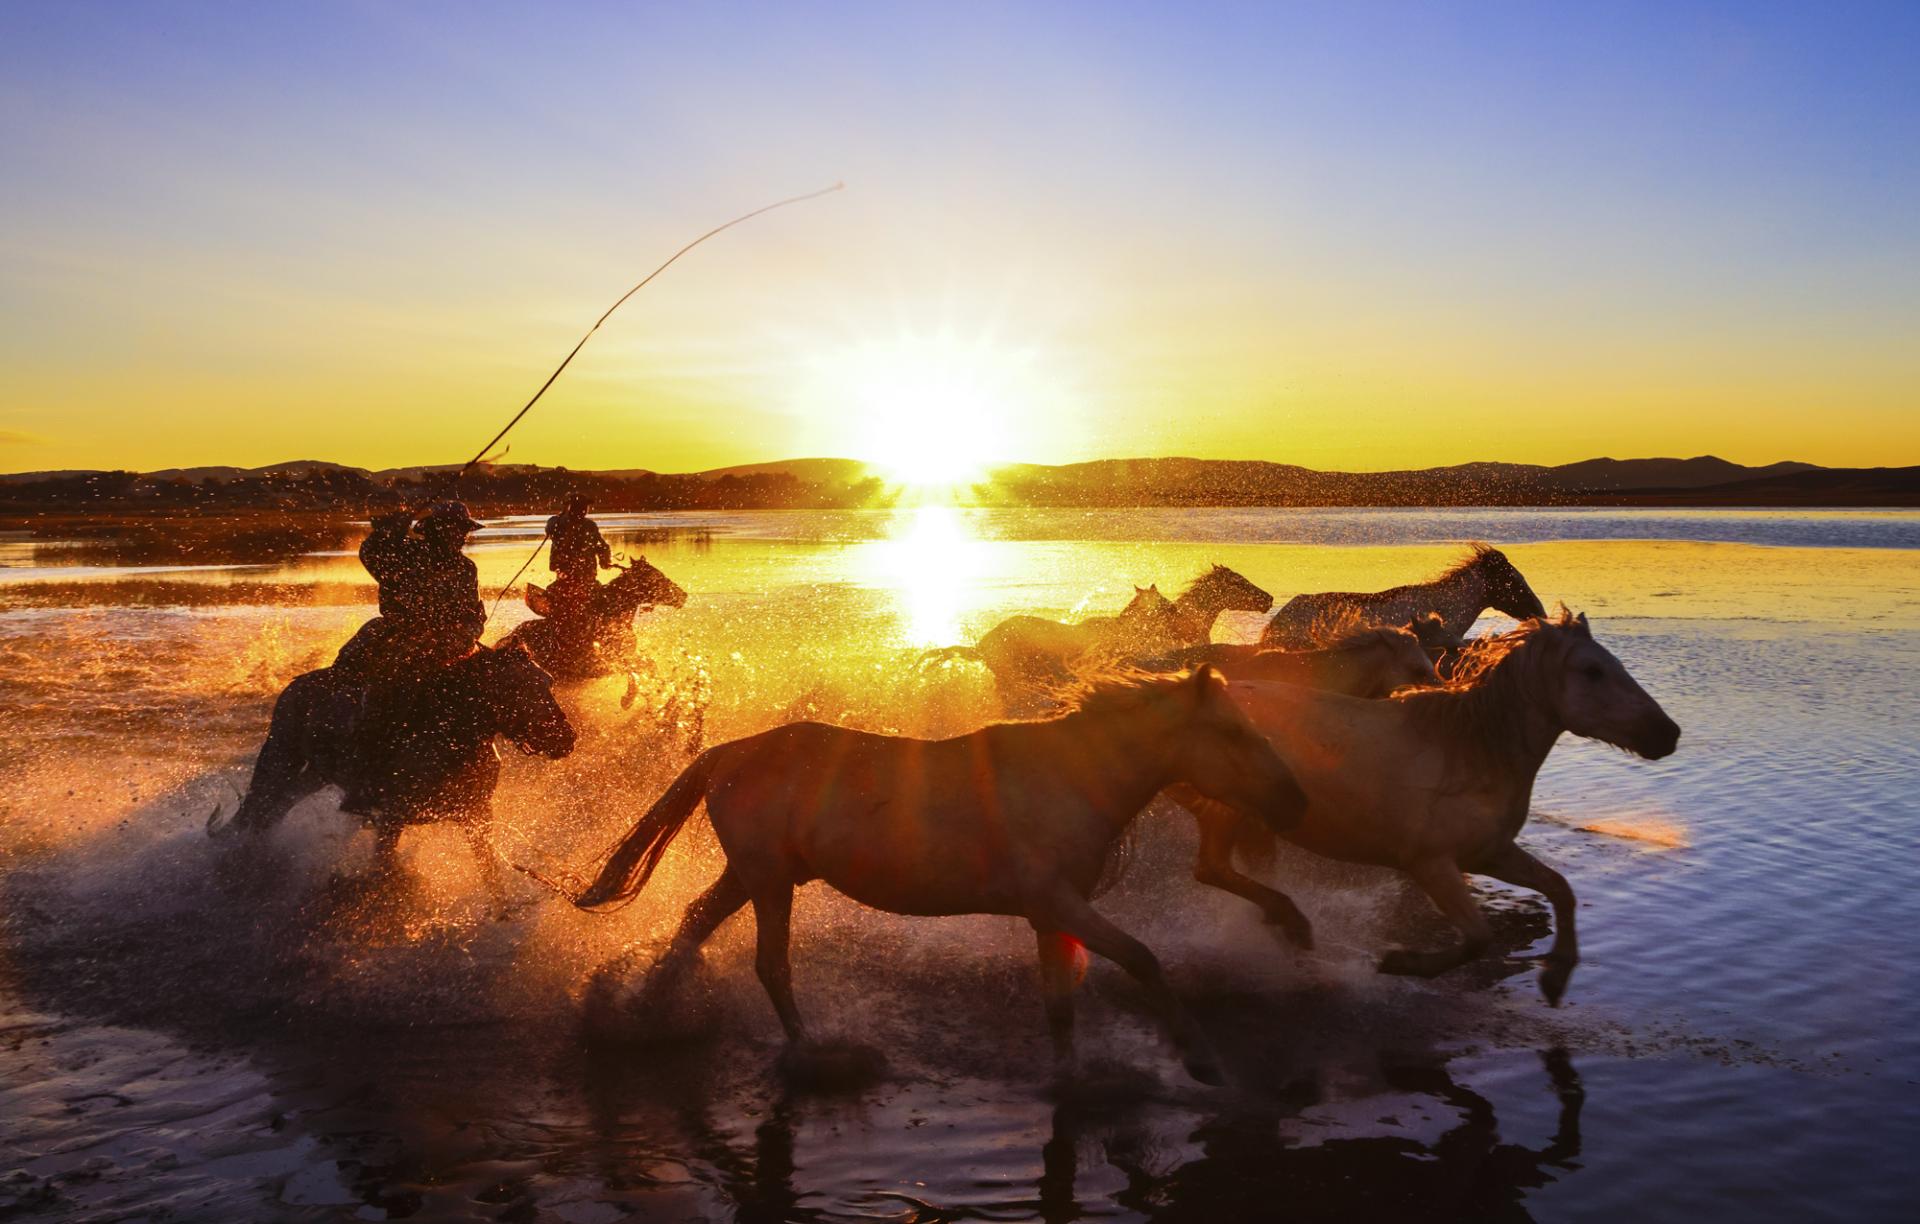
x=625 y=869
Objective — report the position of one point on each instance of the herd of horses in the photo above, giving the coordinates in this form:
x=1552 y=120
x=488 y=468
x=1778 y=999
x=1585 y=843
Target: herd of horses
x=1364 y=727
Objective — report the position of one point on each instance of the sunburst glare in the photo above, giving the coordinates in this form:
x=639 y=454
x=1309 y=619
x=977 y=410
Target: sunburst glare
x=934 y=410
x=936 y=568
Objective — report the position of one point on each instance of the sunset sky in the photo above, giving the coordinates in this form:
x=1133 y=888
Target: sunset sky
x=1348 y=236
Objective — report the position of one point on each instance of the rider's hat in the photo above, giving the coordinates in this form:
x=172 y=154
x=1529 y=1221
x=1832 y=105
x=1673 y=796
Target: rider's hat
x=453 y=514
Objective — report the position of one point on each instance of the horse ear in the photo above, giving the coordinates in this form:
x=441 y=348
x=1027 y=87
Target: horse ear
x=1207 y=674
x=1580 y=619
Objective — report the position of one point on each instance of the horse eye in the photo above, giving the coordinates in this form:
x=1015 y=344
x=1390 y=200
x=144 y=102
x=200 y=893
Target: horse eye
x=1593 y=671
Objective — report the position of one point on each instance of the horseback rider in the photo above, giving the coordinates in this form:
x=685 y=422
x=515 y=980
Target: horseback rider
x=430 y=609
x=579 y=554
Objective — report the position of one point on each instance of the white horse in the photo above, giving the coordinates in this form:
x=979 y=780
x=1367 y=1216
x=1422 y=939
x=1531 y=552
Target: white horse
x=1439 y=781
x=1485 y=579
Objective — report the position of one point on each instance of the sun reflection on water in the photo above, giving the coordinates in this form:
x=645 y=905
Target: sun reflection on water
x=936 y=568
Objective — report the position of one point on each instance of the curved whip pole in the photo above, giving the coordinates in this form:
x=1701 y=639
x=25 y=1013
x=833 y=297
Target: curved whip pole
x=505 y=429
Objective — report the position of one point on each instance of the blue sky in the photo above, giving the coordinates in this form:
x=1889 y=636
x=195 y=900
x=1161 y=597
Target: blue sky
x=1348 y=235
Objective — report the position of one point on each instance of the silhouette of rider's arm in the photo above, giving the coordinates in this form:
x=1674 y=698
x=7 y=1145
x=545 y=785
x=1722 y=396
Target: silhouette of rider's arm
x=384 y=553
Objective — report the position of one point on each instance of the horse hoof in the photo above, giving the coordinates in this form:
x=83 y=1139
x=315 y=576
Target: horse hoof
x=1297 y=930
x=1553 y=982
x=1203 y=1068
x=1402 y=962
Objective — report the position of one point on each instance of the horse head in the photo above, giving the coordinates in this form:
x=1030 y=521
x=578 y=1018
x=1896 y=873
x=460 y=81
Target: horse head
x=1507 y=591
x=1406 y=661
x=518 y=692
x=1147 y=604
x=1225 y=757
x=1593 y=694
x=1433 y=634
x=1226 y=590
x=642 y=583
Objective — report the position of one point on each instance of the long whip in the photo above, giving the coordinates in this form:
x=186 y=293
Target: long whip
x=505 y=429
x=486 y=450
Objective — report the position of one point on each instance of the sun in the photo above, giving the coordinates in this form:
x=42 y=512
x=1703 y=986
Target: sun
x=928 y=430
x=933 y=410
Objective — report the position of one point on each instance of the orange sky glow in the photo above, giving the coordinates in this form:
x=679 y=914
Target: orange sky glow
x=1354 y=240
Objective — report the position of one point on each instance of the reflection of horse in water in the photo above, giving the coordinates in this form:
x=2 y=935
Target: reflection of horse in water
x=1485 y=579
x=436 y=762
x=1247 y=1168
x=1105 y=1153
x=1029 y=652
x=1016 y=818
x=1439 y=781
x=583 y=630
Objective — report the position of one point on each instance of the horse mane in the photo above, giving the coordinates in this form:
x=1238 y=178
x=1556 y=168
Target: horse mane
x=1362 y=636
x=1478 y=552
x=1342 y=625
x=1206 y=575
x=1120 y=689
x=1481 y=710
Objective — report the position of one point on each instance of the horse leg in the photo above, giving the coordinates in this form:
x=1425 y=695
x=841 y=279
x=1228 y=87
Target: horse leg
x=1213 y=865
x=277 y=782
x=1056 y=991
x=711 y=908
x=720 y=902
x=1441 y=880
x=478 y=830
x=772 y=920
x=1515 y=866
x=1068 y=912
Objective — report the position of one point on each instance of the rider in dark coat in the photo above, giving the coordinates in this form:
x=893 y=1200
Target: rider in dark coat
x=430 y=609
x=579 y=554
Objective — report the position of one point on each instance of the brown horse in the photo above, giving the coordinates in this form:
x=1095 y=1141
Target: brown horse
x=1364 y=663
x=1031 y=652
x=595 y=638
x=439 y=765
x=1369 y=664
x=1028 y=652
x=1484 y=579
x=1435 y=782
x=1016 y=818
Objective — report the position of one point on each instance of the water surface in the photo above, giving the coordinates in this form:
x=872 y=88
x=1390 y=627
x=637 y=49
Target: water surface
x=188 y=1034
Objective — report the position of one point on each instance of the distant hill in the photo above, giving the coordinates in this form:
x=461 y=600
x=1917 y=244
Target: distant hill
x=1180 y=481
x=1699 y=472
x=800 y=469
x=311 y=484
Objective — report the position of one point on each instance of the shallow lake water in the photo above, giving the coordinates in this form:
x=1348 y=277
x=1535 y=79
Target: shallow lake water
x=187 y=1032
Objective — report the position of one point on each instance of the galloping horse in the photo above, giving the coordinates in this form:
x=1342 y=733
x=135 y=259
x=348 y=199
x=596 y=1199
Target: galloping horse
x=1206 y=597
x=1439 y=781
x=1484 y=579
x=440 y=765
x=596 y=640
x=1363 y=663
x=1016 y=818
x=1026 y=652
x=1370 y=664
x=1029 y=651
